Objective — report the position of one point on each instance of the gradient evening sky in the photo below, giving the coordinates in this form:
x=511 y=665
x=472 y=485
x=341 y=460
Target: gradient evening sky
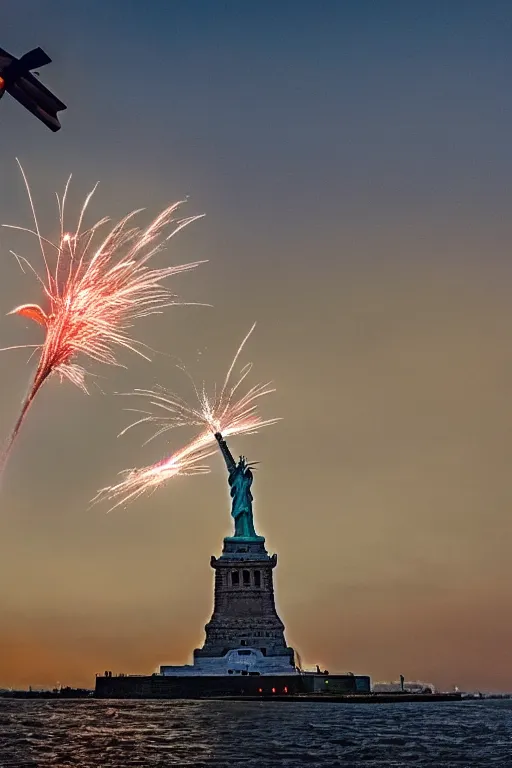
x=354 y=163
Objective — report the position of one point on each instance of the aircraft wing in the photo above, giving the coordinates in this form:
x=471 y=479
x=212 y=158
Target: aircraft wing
x=29 y=61
x=35 y=97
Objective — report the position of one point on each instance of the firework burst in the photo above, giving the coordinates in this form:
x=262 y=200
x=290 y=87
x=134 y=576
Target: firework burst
x=136 y=482
x=230 y=412
x=94 y=286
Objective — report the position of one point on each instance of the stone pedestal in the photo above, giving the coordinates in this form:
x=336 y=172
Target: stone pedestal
x=244 y=613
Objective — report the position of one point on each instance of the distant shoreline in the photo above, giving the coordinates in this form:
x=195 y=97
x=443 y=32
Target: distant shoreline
x=323 y=698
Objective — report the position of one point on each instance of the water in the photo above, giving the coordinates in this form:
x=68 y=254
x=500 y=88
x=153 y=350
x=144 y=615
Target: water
x=103 y=734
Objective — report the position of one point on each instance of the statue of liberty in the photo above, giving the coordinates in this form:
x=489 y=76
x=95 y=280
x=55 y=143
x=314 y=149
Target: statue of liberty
x=240 y=480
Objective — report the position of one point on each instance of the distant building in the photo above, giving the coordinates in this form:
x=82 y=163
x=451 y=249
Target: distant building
x=415 y=686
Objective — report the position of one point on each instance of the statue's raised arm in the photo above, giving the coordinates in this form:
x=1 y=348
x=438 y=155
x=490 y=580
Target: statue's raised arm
x=228 y=458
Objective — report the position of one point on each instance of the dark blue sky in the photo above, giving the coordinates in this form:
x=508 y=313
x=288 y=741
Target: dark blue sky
x=362 y=102
x=354 y=163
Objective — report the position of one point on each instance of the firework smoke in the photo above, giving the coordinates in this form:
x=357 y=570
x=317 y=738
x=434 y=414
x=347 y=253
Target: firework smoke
x=229 y=413
x=93 y=288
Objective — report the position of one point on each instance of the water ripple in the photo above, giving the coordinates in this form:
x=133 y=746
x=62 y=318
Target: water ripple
x=201 y=734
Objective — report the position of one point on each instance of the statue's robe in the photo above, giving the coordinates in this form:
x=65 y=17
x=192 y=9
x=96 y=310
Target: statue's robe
x=240 y=481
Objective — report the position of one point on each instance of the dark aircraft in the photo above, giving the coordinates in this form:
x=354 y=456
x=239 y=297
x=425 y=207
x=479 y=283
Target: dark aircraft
x=16 y=79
